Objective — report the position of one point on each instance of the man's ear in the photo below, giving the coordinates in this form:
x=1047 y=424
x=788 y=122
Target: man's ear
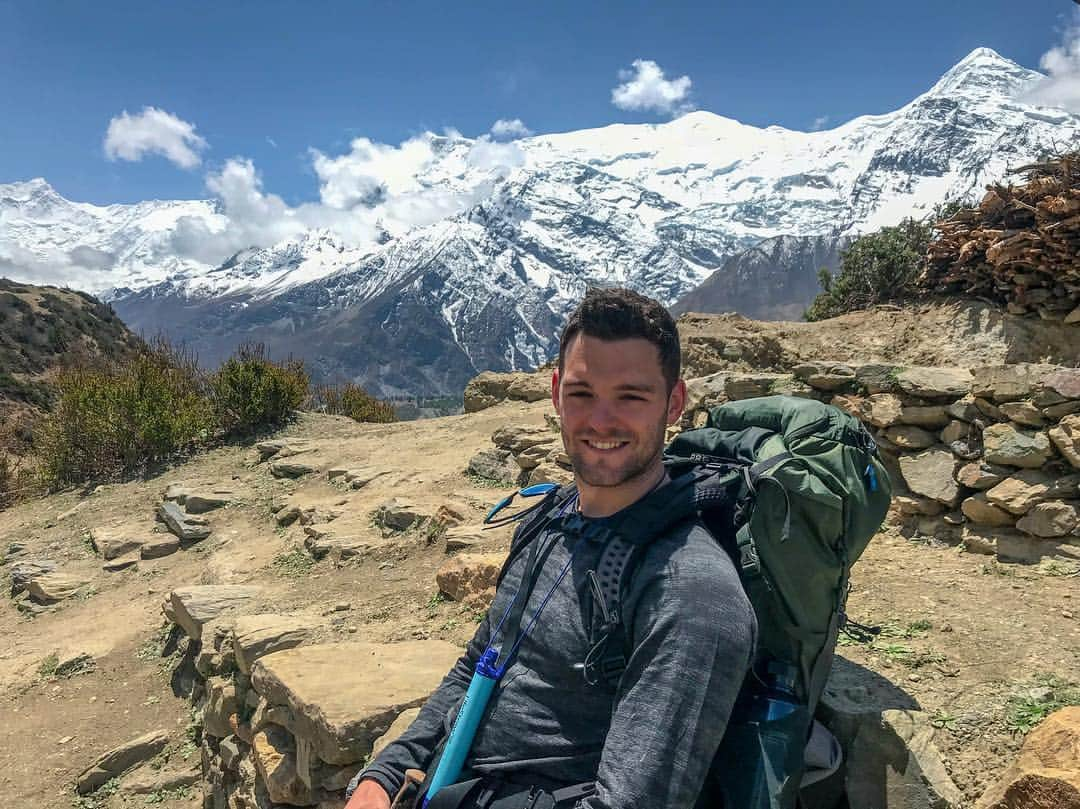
x=676 y=402
x=555 y=389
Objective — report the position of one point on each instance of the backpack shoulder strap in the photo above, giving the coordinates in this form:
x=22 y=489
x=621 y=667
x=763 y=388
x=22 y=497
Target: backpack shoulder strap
x=534 y=521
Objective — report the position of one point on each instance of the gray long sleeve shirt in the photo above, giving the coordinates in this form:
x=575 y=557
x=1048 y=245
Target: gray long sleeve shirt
x=648 y=742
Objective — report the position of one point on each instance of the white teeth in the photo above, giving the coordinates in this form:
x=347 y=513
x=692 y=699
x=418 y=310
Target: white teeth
x=605 y=444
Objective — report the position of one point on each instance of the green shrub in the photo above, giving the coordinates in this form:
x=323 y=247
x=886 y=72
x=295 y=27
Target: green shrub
x=353 y=401
x=113 y=419
x=876 y=268
x=252 y=393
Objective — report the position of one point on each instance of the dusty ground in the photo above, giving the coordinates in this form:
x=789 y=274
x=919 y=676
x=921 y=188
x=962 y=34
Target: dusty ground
x=963 y=633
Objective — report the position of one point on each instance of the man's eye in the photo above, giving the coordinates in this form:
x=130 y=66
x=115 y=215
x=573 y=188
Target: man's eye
x=631 y=397
x=579 y=394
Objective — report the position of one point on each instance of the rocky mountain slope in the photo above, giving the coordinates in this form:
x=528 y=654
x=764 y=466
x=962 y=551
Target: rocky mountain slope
x=656 y=207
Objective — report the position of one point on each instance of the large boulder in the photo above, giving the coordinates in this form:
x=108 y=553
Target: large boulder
x=1024 y=413
x=1017 y=494
x=518 y=437
x=981 y=475
x=120 y=759
x=192 y=607
x=1050 y=519
x=931 y=474
x=257 y=635
x=1005 y=444
x=491 y=387
x=935 y=383
x=1064 y=383
x=1066 y=437
x=978 y=509
x=344 y=696
x=470 y=577
x=1008 y=383
x=1046 y=774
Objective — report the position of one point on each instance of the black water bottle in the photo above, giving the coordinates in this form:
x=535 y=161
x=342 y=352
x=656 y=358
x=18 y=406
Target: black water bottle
x=760 y=761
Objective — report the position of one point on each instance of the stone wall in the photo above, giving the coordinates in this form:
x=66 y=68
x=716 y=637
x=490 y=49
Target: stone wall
x=988 y=457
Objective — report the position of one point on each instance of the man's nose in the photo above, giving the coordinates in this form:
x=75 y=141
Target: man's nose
x=602 y=416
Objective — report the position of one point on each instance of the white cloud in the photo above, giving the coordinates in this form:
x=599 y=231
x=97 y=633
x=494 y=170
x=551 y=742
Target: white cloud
x=153 y=131
x=645 y=88
x=819 y=123
x=1061 y=87
x=371 y=189
x=510 y=128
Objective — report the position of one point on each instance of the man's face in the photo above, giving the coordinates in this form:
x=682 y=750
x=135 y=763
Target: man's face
x=614 y=405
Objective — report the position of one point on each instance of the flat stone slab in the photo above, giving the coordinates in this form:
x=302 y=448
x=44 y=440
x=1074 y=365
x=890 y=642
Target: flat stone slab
x=22 y=573
x=191 y=607
x=48 y=588
x=255 y=636
x=203 y=500
x=120 y=759
x=290 y=469
x=159 y=545
x=146 y=780
x=343 y=696
x=115 y=541
x=177 y=522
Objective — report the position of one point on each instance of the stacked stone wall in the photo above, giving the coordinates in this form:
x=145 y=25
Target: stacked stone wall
x=988 y=456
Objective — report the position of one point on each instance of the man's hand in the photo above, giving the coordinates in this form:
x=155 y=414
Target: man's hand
x=369 y=795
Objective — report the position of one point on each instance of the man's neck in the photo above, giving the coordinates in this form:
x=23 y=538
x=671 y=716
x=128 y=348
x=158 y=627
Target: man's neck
x=603 y=501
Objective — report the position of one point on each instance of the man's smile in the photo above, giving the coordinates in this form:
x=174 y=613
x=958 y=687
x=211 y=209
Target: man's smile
x=605 y=445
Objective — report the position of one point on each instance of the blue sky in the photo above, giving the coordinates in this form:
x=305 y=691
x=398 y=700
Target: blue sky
x=269 y=81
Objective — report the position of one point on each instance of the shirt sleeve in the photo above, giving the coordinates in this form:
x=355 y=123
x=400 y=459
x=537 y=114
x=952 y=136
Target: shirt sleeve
x=692 y=635
x=415 y=748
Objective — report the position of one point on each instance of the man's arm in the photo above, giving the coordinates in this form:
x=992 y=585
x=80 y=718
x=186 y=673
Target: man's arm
x=692 y=635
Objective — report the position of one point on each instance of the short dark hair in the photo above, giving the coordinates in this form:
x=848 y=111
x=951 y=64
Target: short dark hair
x=615 y=313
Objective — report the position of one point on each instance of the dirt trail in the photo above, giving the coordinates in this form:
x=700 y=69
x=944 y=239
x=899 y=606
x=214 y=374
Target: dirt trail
x=983 y=631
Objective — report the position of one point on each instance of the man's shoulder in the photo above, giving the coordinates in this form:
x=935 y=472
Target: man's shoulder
x=686 y=548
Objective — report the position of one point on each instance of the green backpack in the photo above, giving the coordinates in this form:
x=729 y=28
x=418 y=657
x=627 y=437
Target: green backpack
x=794 y=489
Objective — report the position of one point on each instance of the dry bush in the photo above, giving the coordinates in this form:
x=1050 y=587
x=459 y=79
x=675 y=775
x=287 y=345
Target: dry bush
x=353 y=401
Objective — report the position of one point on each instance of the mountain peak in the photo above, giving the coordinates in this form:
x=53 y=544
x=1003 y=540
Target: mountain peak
x=983 y=72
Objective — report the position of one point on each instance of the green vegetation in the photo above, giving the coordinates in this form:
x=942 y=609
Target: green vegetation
x=251 y=393
x=293 y=563
x=47 y=667
x=877 y=268
x=1027 y=709
x=353 y=401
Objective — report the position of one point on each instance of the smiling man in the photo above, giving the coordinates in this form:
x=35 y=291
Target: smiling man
x=558 y=731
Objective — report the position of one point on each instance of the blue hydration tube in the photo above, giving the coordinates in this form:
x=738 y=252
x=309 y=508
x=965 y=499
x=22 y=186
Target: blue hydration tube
x=487 y=674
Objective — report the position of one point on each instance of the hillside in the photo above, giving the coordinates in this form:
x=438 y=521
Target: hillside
x=42 y=327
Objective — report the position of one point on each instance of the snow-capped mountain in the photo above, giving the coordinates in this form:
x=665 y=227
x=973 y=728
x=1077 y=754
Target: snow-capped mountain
x=656 y=207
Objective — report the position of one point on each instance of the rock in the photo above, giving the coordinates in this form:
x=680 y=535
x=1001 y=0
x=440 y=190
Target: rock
x=1024 y=413
x=191 y=607
x=1004 y=444
x=114 y=541
x=230 y=752
x=274 y=752
x=917 y=506
x=828 y=376
x=72 y=664
x=221 y=703
x=287 y=515
x=148 y=781
x=1017 y=547
x=877 y=378
x=1060 y=411
x=268 y=449
x=1008 y=383
x=344 y=696
x=48 y=588
x=963 y=409
x=934 y=383
x=290 y=469
x=978 y=509
x=1046 y=773
x=930 y=474
x=1050 y=519
x=532 y=457
x=1066 y=437
x=1065 y=382
x=703 y=392
x=22 y=573
x=989 y=409
x=1017 y=494
x=529 y=387
x=931 y=417
x=398 y=515
x=399 y=726
x=750 y=386
x=177 y=522
x=518 y=437
x=463 y=539
x=981 y=475
x=496 y=465
x=258 y=635
x=490 y=388
x=121 y=563
x=907 y=436
x=359 y=478
x=120 y=759
x=470 y=577
x=203 y=501
x=956 y=431
x=159 y=545
x=177 y=492
x=979 y=539
x=550 y=473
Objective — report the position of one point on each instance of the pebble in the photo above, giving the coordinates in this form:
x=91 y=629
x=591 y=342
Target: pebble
x=1066 y=614
x=65 y=740
x=344 y=606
